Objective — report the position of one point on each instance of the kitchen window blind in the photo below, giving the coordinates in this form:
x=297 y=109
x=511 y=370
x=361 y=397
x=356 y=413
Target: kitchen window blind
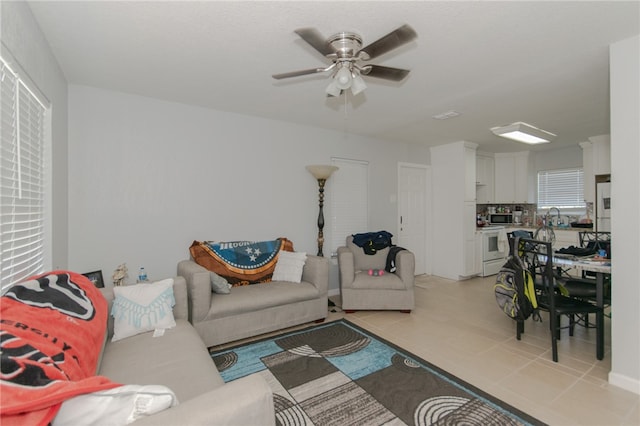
x=22 y=179
x=561 y=188
x=349 y=200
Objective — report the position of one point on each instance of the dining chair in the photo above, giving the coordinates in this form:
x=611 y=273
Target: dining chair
x=588 y=236
x=537 y=257
x=585 y=287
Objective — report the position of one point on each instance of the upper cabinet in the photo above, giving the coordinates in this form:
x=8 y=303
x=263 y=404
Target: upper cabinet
x=596 y=160
x=469 y=172
x=514 y=182
x=485 y=171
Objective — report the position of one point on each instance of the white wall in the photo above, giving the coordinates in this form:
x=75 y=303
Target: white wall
x=23 y=38
x=147 y=177
x=625 y=227
x=555 y=159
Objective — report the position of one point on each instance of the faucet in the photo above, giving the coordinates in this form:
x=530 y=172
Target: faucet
x=547 y=216
x=545 y=232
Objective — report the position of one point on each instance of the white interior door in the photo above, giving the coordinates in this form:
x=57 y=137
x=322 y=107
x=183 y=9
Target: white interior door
x=413 y=211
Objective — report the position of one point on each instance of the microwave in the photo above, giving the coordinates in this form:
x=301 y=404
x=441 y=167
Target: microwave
x=500 y=218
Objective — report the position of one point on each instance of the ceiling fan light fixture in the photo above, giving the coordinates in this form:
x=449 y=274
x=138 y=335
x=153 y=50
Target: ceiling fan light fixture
x=343 y=78
x=333 y=89
x=358 y=84
x=523 y=132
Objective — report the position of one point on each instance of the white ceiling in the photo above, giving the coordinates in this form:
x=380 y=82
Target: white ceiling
x=545 y=63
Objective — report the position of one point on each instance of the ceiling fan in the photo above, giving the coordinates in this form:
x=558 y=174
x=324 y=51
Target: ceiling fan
x=346 y=52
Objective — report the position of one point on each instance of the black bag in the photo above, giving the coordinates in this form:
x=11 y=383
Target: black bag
x=391 y=258
x=371 y=242
x=592 y=248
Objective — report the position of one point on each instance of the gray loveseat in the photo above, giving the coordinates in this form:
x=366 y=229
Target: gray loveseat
x=255 y=309
x=180 y=360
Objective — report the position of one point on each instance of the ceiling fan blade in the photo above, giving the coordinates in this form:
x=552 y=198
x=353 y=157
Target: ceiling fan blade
x=394 y=39
x=316 y=40
x=388 y=73
x=297 y=73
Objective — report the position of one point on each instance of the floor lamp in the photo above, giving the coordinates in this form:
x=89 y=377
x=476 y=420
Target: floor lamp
x=321 y=173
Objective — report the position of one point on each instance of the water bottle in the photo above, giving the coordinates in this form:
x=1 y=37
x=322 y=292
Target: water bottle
x=142 y=275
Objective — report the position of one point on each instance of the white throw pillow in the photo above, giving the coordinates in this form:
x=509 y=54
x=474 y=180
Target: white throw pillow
x=219 y=284
x=117 y=406
x=289 y=266
x=142 y=307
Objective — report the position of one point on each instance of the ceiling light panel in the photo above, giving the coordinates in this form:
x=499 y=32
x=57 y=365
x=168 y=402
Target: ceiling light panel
x=523 y=132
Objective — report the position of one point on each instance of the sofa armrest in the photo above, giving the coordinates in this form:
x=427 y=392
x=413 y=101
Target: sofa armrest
x=246 y=401
x=181 y=308
x=316 y=272
x=346 y=266
x=198 y=288
x=406 y=267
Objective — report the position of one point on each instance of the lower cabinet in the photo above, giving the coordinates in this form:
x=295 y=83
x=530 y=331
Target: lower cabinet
x=470 y=267
x=478 y=253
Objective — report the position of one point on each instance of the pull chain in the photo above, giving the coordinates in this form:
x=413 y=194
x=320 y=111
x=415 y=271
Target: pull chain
x=346 y=93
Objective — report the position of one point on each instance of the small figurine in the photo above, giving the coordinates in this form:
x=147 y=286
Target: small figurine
x=120 y=274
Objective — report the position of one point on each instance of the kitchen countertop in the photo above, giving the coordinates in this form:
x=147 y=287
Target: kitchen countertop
x=555 y=228
x=511 y=227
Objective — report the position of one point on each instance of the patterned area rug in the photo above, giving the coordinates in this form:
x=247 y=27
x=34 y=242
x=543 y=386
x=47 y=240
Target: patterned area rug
x=340 y=374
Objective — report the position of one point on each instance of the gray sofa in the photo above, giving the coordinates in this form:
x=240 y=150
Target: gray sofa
x=180 y=360
x=255 y=309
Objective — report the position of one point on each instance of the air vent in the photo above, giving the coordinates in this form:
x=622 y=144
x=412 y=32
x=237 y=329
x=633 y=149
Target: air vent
x=446 y=115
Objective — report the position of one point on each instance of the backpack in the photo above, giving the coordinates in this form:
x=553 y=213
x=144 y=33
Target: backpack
x=391 y=258
x=515 y=292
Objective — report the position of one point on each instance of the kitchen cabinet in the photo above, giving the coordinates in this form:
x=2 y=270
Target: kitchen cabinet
x=514 y=181
x=596 y=160
x=454 y=210
x=469 y=243
x=485 y=170
x=478 y=252
x=469 y=173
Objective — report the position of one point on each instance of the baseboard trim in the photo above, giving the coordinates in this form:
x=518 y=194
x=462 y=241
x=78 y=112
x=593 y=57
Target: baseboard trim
x=624 y=382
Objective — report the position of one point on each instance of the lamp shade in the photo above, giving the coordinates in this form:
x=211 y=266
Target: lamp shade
x=523 y=132
x=332 y=89
x=343 y=78
x=321 y=171
x=358 y=84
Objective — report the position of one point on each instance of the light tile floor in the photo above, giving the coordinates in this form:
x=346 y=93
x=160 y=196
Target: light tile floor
x=458 y=326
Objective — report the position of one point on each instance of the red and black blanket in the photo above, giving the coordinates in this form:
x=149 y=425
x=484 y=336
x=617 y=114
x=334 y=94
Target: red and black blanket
x=52 y=328
x=240 y=262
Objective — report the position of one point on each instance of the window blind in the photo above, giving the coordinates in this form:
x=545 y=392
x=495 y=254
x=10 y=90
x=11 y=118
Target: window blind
x=349 y=200
x=22 y=180
x=561 y=188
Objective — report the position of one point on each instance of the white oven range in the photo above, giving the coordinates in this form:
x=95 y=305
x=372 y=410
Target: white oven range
x=493 y=253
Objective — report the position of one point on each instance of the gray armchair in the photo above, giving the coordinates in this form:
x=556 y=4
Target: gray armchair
x=361 y=291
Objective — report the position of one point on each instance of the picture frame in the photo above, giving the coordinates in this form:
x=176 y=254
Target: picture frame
x=96 y=278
